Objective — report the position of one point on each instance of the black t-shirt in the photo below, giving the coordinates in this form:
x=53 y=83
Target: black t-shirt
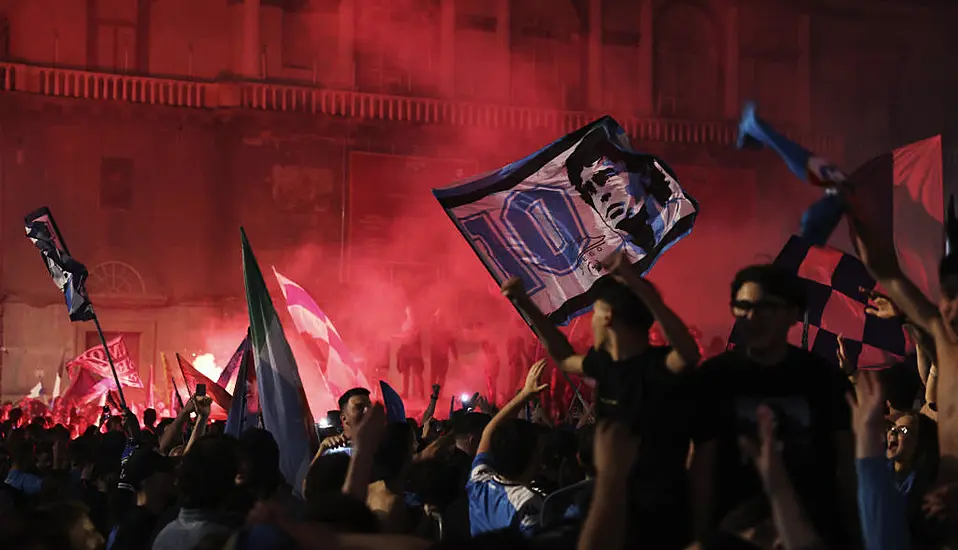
x=808 y=396
x=658 y=403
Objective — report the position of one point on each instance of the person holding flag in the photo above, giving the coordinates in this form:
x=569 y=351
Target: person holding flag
x=636 y=384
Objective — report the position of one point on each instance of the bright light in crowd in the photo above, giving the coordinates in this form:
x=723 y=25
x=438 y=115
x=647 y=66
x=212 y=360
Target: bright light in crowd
x=206 y=364
x=324 y=423
x=465 y=397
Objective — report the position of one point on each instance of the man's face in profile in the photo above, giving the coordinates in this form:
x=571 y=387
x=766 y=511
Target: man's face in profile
x=607 y=185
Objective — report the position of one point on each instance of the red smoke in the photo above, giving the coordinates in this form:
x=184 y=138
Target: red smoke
x=403 y=252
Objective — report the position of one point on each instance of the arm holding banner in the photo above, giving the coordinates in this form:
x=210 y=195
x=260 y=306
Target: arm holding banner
x=512 y=408
x=556 y=344
x=685 y=350
x=882 y=261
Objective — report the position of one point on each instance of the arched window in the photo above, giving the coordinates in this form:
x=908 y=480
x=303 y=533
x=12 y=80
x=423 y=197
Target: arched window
x=114 y=278
x=687 y=76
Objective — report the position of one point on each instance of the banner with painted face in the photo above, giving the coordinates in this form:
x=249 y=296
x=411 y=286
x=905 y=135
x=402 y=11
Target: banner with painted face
x=552 y=217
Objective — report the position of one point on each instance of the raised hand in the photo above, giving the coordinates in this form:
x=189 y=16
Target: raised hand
x=765 y=453
x=868 y=404
x=533 y=385
x=333 y=442
x=370 y=429
x=942 y=503
x=616 y=449
x=880 y=305
x=203 y=405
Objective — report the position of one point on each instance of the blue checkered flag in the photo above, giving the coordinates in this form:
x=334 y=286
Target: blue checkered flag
x=837 y=287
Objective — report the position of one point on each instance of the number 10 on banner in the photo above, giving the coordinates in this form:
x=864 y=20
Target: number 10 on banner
x=536 y=233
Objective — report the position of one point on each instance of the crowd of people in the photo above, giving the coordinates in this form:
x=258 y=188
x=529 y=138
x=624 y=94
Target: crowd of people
x=762 y=446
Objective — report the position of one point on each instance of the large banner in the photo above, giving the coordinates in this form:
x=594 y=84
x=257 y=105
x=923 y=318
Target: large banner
x=552 y=217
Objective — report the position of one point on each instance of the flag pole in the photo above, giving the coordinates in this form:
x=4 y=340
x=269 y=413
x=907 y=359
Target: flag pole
x=179 y=363
x=805 y=331
x=109 y=358
x=176 y=391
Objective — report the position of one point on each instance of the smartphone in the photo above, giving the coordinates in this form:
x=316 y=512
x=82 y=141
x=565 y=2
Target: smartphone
x=200 y=390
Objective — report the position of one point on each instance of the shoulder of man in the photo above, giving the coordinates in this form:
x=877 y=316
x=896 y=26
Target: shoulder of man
x=482 y=469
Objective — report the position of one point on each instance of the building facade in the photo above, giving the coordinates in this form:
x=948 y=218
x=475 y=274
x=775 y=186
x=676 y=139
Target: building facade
x=154 y=129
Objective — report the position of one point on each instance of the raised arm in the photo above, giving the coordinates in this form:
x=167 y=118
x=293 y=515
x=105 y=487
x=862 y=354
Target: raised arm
x=365 y=443
x=512 y=408
x=556 y=344
x=793 y=526
x=685 y=350
x=606 y=524
x=175 y=430
x=203 y=404
x=431 y=407
x=882 y=261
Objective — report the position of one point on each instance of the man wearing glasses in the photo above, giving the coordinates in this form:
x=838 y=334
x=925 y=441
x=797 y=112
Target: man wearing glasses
x=806 y=393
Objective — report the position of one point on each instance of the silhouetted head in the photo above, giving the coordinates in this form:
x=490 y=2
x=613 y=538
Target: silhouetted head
x=618 y=310
x=766 y=301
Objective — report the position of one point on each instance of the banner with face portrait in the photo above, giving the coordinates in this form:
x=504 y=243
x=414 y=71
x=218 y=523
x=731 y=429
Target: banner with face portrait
x=552 y=217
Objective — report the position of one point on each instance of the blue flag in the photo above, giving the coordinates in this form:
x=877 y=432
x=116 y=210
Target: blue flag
x=230 y=369
x=551 y=218
x=68 y=274
x=244 y=407
x=821 y=219
x=395 y=410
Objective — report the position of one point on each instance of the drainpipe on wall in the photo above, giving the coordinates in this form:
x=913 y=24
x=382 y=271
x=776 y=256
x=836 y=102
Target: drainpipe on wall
x=3 y=253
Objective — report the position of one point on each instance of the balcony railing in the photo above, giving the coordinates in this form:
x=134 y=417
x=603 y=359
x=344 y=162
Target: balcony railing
x=71 y=83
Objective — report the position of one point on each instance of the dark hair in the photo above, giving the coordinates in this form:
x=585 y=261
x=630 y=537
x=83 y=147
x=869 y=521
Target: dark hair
x=149 y=417
x=207 y=474
x=393 y=453
x=585 y=447
x=597 y=144
x=514 y=444
x=326 y=475
x=627 y=308
x=261 y=454
x=775 y=281
x=344 y=400
x=470 y=423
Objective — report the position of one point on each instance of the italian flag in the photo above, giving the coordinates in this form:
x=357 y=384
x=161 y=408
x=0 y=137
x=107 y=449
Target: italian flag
x=282 y=399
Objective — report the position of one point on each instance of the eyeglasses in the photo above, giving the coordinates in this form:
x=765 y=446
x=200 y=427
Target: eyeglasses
x=900 y=430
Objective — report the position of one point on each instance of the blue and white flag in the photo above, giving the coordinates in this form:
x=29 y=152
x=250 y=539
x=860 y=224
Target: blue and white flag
x=552 y=217
x=68 y=274
x=823 y=216
x=282 y=399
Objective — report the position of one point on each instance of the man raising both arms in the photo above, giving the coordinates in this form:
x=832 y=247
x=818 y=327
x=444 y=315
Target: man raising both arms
x=637 y=383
